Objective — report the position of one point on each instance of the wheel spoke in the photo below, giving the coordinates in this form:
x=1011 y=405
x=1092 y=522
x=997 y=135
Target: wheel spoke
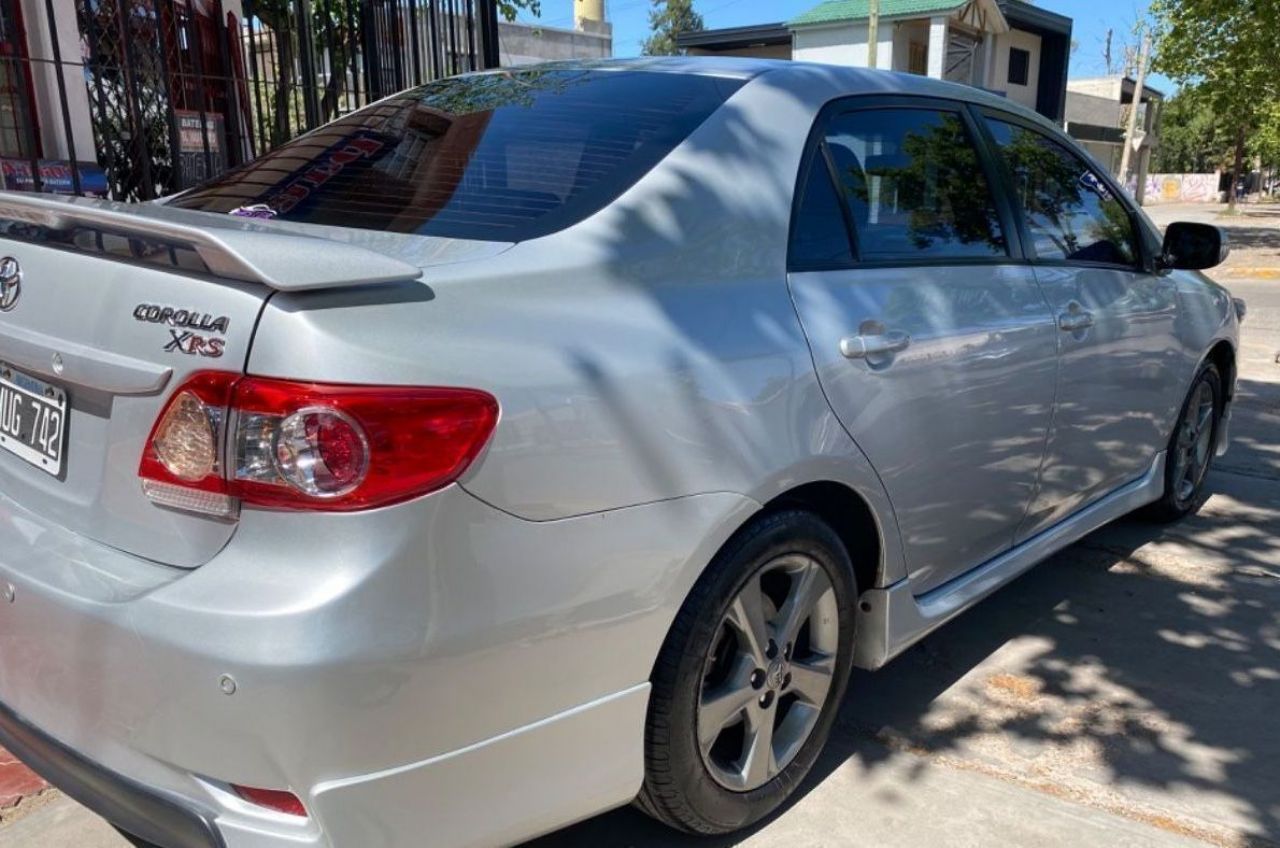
x=769 y=672
x=811 y=679
x=746 y=616
x=807 y=587
x=723 y=705
x=759 y=764
x=1202 y=420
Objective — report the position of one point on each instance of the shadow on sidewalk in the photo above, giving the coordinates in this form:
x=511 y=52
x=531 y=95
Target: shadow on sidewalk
x=1152 y=652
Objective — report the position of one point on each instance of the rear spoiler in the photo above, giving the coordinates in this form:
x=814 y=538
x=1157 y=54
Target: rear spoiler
x=235 y=248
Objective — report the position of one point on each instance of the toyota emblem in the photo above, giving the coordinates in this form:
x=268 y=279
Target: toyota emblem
x=10 y=282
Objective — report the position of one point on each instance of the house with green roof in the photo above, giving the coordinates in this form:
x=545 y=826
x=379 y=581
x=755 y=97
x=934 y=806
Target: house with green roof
x=1009 y=47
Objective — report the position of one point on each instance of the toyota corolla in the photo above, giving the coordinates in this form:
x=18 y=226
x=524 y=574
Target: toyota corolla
x=537 y=442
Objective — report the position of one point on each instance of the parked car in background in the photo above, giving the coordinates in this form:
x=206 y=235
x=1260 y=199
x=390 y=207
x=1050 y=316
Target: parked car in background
x=535 y=442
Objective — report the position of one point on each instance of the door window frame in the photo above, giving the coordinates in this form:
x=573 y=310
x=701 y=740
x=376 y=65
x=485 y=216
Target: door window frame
x=1144 y=259
x=815 y=154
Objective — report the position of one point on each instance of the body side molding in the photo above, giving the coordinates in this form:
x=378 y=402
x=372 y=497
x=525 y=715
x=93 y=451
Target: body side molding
x=893 y=619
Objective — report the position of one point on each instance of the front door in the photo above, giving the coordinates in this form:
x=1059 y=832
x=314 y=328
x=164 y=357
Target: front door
x=935 y=348
x=1116 y=324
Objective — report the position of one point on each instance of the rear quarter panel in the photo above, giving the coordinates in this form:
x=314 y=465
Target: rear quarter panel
x=650 y=352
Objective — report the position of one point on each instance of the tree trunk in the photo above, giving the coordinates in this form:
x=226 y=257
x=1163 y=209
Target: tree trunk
x=333 y=86
x=1236 y=166
x=283 y=96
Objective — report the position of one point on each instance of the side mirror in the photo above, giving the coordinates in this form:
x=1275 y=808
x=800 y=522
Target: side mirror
x=1193 y=246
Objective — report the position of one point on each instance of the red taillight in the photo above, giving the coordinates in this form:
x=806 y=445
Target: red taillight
x=297 y=445
x=273 y=799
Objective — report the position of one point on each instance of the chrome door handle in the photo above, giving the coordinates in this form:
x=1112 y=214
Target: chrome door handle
x=860 y=347
x=1075 y=319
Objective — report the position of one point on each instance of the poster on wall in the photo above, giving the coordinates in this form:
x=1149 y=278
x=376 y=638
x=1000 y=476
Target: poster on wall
x=195 y=164
x=55 y=176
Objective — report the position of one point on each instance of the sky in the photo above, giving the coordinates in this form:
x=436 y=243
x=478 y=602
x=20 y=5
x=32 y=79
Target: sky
x=1091 y=18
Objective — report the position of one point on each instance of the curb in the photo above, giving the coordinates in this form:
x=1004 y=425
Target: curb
x=1261 y=273
x=17 y=782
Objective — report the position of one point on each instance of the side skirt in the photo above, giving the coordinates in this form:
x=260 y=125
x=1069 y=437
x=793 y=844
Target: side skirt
x=892 y=619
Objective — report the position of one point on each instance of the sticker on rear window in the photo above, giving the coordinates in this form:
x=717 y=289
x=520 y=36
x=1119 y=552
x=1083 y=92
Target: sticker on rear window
x=254 y=210
x=1093 y=183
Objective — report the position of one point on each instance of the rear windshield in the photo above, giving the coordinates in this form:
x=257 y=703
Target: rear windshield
x=502 y=157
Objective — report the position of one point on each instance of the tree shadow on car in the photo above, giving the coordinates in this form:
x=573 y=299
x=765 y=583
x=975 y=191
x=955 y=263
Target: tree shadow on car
x=1135 y=670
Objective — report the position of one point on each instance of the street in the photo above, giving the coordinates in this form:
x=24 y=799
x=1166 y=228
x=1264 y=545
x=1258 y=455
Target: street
x=1122 y=693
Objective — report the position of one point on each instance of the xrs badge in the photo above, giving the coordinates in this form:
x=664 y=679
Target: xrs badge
x=193 y=344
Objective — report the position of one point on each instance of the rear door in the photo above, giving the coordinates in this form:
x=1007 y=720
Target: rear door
x=932 y=339
x=1116 y=319
x=95 y=330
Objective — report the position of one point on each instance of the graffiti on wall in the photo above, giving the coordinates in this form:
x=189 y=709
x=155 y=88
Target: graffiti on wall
x=1179 y=188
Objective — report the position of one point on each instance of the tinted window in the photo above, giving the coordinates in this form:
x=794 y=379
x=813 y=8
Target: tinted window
x=820 y=236
x=914 y=185
x=502 y=156
x=1019 y=66
x=1070 y=211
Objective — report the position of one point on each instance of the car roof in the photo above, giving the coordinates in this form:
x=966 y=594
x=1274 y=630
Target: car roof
x=854 y=81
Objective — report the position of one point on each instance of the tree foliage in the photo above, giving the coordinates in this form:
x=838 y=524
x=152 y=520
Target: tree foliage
x=667 y=19
x=1227 y=50
x=1266 y=139
x=1193 y=138
x=510 y=8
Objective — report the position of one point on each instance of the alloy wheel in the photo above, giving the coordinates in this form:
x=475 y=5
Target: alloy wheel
x=767 y=677
x=1193 y=448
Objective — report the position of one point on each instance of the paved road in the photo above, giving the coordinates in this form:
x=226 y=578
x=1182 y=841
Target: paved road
x=1122 y=694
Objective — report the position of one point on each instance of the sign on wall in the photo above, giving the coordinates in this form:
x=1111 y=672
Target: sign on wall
x=55 y=176
x=196 y=163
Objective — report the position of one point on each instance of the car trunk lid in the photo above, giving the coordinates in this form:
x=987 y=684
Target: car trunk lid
x=104 y=310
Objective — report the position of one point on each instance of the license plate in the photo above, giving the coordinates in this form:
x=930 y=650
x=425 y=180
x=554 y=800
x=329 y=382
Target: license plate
x=33 y=417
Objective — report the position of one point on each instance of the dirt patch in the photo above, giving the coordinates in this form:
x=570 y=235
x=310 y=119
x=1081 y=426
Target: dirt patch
x=28 y=805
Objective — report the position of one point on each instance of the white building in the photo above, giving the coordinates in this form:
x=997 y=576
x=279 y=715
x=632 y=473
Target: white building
x=1097 y=114
x=1008 y=47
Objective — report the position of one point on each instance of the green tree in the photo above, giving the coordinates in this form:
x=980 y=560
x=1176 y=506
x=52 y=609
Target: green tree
x=1226 y=49
x=667 y=19
x=1265 y=143
x=1192 y=138
x=509 y=8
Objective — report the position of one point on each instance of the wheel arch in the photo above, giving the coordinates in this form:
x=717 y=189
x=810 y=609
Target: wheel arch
x=849 y=515
x=1223 y=355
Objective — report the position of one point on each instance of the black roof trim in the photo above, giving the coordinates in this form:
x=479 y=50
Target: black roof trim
x=1092 y=132
x=1025 y=16
x=731 y=38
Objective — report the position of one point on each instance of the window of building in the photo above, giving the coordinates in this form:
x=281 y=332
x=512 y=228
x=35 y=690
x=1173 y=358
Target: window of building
x=1071 y=212
x=914 y=185
x=17 y=124
x=1019 y=66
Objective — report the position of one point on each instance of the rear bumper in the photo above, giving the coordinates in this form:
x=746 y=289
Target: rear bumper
x=144 y=813
x=437 y=667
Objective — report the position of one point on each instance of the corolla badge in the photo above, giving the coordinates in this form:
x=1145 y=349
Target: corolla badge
x=10 y=282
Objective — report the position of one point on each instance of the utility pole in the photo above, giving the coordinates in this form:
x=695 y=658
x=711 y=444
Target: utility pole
x=873 y=28
x=1132 y=129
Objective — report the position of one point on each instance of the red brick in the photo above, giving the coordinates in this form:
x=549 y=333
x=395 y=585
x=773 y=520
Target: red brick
x=16 y=781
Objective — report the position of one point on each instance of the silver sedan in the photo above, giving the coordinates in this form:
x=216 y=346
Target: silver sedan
x=541 y=441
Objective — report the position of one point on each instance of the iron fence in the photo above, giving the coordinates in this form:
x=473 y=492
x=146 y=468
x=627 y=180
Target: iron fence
x=157 y=95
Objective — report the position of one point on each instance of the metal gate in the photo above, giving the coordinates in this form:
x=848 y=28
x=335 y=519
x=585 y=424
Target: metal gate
x=176 y=91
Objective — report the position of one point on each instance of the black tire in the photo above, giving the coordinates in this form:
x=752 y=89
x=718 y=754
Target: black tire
x=679 y=789
x=1178 y=499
